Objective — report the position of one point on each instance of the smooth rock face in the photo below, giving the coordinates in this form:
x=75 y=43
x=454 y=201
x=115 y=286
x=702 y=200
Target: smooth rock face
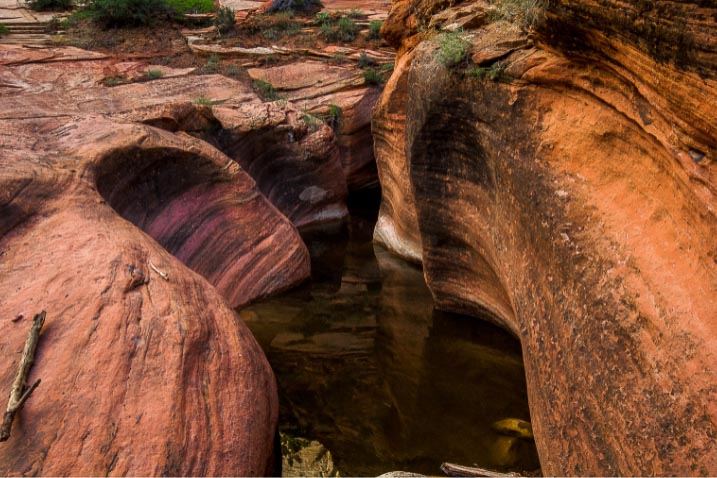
x=397 y=225
x=566 y=201
x=140 y=375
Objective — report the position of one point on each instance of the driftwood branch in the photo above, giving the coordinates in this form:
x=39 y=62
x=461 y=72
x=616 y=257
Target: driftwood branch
x=19 y=393
x=451 y=469
x=163 y=275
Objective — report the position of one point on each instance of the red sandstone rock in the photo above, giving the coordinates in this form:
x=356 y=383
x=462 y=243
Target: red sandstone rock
x=302 y=158
x=314 y=86
x=574 y=202
x=140 y=375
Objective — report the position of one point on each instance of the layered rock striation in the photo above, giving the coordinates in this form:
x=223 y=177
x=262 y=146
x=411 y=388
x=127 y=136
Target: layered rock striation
x=564 y=183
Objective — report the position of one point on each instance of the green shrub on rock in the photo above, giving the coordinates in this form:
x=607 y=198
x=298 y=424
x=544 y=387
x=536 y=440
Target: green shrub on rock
x=452 y=49
x=50 y=5
x=293 y=5
x=191 y=6
x=225 y=20
x=126 y=12
x=374 y=29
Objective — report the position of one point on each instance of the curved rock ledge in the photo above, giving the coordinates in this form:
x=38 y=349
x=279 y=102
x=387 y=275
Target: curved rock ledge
x=573 y=199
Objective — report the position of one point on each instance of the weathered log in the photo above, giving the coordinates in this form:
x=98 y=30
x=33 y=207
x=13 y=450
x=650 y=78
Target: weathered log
x=451 y=469
x=19 y=393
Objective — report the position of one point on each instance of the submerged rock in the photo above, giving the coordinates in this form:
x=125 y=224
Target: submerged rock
x=302 y=457
x=547 y=183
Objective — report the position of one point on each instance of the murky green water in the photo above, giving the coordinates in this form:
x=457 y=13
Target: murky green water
x=365 y=366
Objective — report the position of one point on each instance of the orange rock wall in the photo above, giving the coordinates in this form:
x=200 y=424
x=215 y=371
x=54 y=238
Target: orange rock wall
x=572 y=200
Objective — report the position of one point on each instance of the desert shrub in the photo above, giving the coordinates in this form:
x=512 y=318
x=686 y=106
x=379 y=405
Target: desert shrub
x=479 y=72
x=347 y=29
x=115 y=80
x=374 y=29
x=203 y=101
x=355 y=14
x=452 y=49
x=154 y=74
x=234 y=71
x=225 y=20
x=333 y=117
x=495 y=72
x=293 y=5
x=46 y=5
x=322 y=17
x=365 y=61
x=191 y=6
x=311 y=121
x=266 y=90
x=344 y=30
x=126 y=12
x=4 y=30
x=524 y=12
x=212 y=64
x=284 y=22
x=372 y=76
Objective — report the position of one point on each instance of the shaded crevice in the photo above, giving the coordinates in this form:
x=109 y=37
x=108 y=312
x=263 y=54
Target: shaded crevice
x=206 y=214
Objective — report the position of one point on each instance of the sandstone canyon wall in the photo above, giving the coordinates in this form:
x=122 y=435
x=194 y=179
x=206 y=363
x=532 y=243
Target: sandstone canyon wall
x=563 y=184
x=136 y=236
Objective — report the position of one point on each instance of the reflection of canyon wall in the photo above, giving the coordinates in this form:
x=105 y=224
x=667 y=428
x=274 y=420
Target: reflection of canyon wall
x=381 y=383
x=572 y=200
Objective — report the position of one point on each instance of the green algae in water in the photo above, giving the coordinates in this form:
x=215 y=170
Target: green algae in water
x=366 y=367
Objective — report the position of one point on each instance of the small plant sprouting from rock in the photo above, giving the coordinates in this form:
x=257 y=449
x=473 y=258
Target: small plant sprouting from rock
x=204 y=101
x=293 y=5
x=494 y=73
x=365 y=61
x=154 y=74
x=322 y=17
x=115 y=80
x=344 y=30
x=526 y=13
x=372 y=76
x=374 y=29
x=266 y=90
x=126 y=12
x=234 y=71
x=213 y=64
x=4 y=30
x=50 y=5
x=311 y=122
x=225 y=21
x=333 y=117
x=453 y=49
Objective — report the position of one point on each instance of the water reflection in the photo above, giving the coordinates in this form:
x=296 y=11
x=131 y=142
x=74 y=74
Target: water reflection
x=366 y=367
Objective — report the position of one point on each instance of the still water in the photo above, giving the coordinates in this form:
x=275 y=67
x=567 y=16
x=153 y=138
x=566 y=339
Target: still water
x=368 y=368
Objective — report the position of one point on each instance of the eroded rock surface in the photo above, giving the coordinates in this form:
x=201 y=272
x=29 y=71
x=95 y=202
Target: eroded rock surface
x=573 y=200
x=104 y=194
x=340 y=96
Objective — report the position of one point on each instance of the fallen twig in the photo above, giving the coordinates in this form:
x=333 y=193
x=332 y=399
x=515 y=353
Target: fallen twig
x=451 y=469
x=163 y=275
x=19 y=393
